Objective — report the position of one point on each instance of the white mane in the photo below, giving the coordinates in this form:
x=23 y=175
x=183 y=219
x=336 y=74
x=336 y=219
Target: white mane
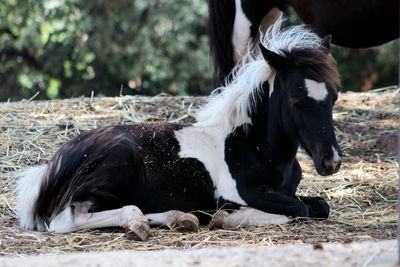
x=232 y=106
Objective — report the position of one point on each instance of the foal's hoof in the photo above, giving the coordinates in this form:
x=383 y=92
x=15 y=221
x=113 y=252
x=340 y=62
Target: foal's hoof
x=135 y=222
x=188 y=223
x=318 y=208
x=139 y=231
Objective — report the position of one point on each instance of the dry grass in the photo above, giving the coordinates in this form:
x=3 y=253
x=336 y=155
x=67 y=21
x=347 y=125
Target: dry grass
x=362 y=196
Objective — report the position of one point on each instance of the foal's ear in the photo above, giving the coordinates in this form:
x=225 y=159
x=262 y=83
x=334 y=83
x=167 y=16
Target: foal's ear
x=326 y=43
x=276 y=61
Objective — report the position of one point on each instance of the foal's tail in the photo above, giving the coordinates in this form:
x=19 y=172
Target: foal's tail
x=220 y=30
x=27 y=193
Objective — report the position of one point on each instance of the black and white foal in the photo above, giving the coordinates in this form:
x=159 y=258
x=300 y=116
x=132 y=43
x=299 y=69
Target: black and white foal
x=240 y=154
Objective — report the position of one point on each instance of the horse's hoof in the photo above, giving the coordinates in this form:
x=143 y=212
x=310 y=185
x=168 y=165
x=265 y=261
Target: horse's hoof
x=140 y=231
x=135 y=222
x=188 y=223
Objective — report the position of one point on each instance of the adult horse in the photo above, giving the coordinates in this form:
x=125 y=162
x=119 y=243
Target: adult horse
x=240 y=154
x=355 y=24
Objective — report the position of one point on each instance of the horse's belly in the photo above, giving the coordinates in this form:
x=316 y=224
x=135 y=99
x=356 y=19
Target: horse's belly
x=168 y=181
x=179 y=184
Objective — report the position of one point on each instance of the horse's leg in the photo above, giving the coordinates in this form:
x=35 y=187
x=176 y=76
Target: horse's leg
x=76 y=217
x=241 y=33
x=175 y=218
x=249 y=16
x=246 y=216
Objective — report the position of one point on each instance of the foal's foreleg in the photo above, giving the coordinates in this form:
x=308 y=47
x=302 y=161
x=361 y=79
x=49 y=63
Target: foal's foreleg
x=270 y=201
x=317 y=207
x=76 y=217
x=175 y=218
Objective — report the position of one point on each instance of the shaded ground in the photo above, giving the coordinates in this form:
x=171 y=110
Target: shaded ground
x=383 y=253
x=362 y=196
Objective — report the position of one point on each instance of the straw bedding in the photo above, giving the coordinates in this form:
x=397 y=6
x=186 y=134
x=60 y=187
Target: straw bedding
x=362 y=196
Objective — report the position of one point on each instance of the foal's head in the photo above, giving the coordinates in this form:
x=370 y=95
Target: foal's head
x=304 y=89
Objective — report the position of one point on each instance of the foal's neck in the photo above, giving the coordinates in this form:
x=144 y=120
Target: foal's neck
x=269 y=132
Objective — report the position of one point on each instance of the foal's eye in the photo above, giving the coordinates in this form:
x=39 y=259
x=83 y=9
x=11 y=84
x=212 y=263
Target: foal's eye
x=297 y=103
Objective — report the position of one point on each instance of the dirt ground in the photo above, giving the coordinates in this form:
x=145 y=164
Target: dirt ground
x=382 y=253
x=362 y=196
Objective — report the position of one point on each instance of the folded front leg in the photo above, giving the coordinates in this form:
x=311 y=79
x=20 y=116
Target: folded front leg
x=317 y=207
x=270 y=201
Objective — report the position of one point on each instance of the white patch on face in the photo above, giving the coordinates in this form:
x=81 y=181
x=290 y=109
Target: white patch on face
x=316 y=90
x=207 y=144
x=241 y=32
x=336 y=156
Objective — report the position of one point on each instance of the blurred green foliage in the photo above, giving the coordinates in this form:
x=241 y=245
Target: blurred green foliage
x=68 y=48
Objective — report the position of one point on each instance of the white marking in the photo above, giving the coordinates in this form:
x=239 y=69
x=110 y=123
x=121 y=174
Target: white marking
x=170 y=218
x=335 y=157
x=241 y=32
x=208 y=146
x=248 y=217
x=316 y=90
x=63 y=222
x=271 y=82
x=66 y=221
x=164 y=218
x=27 y=192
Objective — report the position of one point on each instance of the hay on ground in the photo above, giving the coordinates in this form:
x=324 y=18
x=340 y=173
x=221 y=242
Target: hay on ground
x=362 y=196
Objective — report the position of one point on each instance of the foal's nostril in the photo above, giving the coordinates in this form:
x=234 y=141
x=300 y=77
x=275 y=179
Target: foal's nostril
x=335 y=164
x=331 y=165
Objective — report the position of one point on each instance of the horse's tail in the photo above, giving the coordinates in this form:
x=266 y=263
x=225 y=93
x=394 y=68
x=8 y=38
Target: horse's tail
x=27 y=193
x=43 y=191
x=220 y=30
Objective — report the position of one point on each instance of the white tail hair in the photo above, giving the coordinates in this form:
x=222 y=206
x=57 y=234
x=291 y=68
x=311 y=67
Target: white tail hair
x=27 y=193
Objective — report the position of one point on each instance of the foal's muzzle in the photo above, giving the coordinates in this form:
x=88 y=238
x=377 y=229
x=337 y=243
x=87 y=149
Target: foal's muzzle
x=331 y=166
x=328 y=160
